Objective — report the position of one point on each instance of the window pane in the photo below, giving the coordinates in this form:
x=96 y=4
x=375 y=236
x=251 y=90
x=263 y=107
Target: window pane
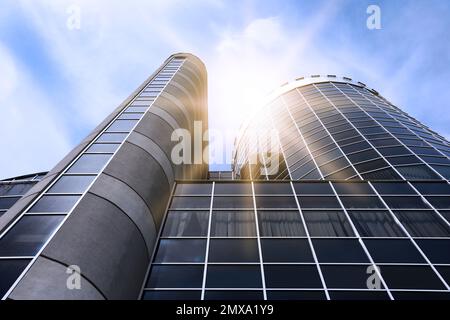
x=130 y=116
x=442 y=202
x=327 y=224
x=280 y=224
x=233 y=295
x=312 y=188
x=421 y=295
x=72 y=184
x=233 y=188
x=181 y=250
x=318 y=202
x=423 y=223
x=375 y=224
x=292 y=276
x=103 y=147
x=339 y=250
x=295 y=295
x=89 y=163
x=233 y=224
x=438 y=251
x=411 y=277
x=233 y=250
x=171 y=295
x=10 y=271
x=27 y=236
x=352 y=188
x=233 y=202
x=433 y=188
x=393 y=251
x=60 y=204
x=286 y=250
x=359 y=295
x=273 y=188
x=275 y=202
x=122 y=125
x=191 y=203
x=186 y=224
x=405 y=202
x=361 y=202
x=352 y=277
x=193 y=188
x=15 y=189
x=173 y=276
x=112 y=137
x=233 y=276
x=6 y=203
x=393 y=188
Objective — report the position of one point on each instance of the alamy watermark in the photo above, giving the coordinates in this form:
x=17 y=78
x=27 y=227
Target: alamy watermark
x=73 y=281
x=374 y=20
x=73 y=21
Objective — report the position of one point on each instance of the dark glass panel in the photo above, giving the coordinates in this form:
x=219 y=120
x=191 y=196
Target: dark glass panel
x=302 y=188
x=440 y=202
x=339 y=250
x=233 y=250
x=420 y=295
x=15 y=189
x=122 y=125
x=384 y=174
x=275 y=202
x=233 y=202
x=348 y=276
x=393 y=188
x=318 y=202
x=89 y=163
x=186 y=224
x=193 y=189
x=432 y=187
x=233 y=224
x=172 y=295
x=292 y=276
x=72 y=184
x=112 y=137
x=393 y=251
x=411 y=277
x=280 y=224
x=233 y=276
x=273 y=188
x=396 y=202
x=327 y=224
x=359 y=295
x=352 y=188
x=418 y=172
x=423 y=223
x=438 y=251
x=181 y=250
x=28 y=235
x=375 y=224
x=60 y=204
x=295 y=295
x=286 y=250
x=6 y=203
x=191 y=203
x=103 y=147
x=10 y=271
x=175 y=276
x=232 y=188
x=233 y=295
x=361 y=202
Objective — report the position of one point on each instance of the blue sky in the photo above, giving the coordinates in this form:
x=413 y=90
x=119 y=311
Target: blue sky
x=57 y=83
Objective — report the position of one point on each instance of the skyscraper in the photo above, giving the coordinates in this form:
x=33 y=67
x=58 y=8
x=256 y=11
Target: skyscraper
x=334 y=193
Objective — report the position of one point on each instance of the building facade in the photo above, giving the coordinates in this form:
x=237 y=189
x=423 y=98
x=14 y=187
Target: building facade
x=356 y=207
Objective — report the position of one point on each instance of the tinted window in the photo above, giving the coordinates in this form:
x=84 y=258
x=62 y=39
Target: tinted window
x=433 y=188
x=327 y=224
x=393 y=251
x=438 y=251
x=191 y=202
x=233 y=276
x=72 y=184
x=441 y=202
x=393 y=188
x=112 y=137
x=28 y=235
x=186 y=224
x=233 y=295
x=295 y=295
x=90 y=163
x=411 y=277
x=353 y=277
x=233 y=250
x=318 y=202
x=181 y=250
x=361 y=202
x=122 y=125
x=273 y=188
x=375 y=224
x=286 y=250
x=280 y=224
x=405 y=202
x=193 y=188
x=103 y=147
x=275 y=202
x=6 y=203
x=423 y=223
x=55 y=204
x=10 y=271
x=171 y=295
x=359 y=295
x=292 y=276
x=233 y=224
x=175 y=276
x=339 y=250
x=312 y=188
x=233 y=188
x=352 y=188
x=233 y=202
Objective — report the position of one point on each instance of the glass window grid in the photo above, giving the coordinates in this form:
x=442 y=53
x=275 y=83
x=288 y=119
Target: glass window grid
x=65 y=214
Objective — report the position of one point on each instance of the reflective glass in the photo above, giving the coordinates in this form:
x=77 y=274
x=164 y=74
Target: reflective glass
x=181 y=250
x=186 y=224
x=72 y=184
x=280 y=224
x=233 y=224
x=327 y=224
x=89 y=163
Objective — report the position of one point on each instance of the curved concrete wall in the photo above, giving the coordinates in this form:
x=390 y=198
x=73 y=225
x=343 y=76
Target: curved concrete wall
x=111 y=233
